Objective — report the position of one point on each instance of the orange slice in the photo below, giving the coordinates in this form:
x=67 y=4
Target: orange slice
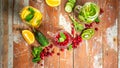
x=28 y=36
x=53 y=3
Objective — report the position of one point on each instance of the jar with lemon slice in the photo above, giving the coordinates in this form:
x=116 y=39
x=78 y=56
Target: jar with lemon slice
x=31 y=16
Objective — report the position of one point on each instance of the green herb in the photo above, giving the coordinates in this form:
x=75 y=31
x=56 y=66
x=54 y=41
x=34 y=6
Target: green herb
x=62 y=37
x=70 y=47
x=78 y=27
x=29 y=17
x=72 y=1
x=35 y=60
x=36 y=53
x=97 y=20
x=31 y=10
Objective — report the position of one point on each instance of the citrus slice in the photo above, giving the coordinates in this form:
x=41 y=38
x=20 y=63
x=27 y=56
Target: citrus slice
x=53 y=3
x=28 y=36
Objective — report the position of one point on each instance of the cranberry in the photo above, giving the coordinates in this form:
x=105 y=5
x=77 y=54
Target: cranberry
x=96 y=29
x=101 y=11
x=42 y=58
x=51 y=54
x=38 y=62
x=53 y=51
x=41 y=64
x=87 y=25
x=91 y=24
x=58 y=54
x=50 y=46
x=62 y=50
x=73 y=31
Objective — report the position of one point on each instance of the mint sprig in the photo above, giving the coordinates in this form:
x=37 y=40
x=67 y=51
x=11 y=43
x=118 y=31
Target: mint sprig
x=62 y=37
x=36 y=53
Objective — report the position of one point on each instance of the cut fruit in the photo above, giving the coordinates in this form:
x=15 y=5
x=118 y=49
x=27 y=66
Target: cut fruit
x=91 y=31
x=53 y=3
x=86 y=36
x=28 y=36
x=31 y=16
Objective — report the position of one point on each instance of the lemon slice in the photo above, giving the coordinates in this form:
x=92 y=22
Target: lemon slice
x=53 y=3
x=28 y=36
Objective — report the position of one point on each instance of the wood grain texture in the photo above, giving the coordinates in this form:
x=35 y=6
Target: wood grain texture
x=102 y=51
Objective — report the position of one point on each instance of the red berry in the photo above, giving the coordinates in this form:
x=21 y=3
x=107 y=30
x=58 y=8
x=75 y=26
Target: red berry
x=50 y=46
x=53 y=52
x=41 y=64
x=58 y=54
x=96 y=29
x=101 y=11
x=62 y=50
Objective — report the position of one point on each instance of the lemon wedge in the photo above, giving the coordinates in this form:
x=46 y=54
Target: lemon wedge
x=28 y=36
x=53 y=3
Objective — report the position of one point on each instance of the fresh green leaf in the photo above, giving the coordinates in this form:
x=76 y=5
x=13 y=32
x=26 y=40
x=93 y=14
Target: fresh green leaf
x=77 y=25
x=31 y=10
x=97 y=20
x=35 y=60
x=36 y=51
x=62 y=35
x=70 y=47
x=72 y=1
x=29 y=17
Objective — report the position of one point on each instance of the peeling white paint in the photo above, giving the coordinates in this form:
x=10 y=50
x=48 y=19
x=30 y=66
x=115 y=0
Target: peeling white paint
x=97 y=61
x=17 y=38
x=63 y=22
x=111 y=34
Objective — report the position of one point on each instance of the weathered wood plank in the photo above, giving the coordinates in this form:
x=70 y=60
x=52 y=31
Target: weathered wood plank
x=5 y=34
x=1 y=33
x=22 y=55
x=110 y=34
x=66 y=57
x=10 y=34
x=82 y=53
x=119 y=36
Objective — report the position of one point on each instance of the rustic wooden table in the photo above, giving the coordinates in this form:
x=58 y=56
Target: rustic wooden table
x=102 y=51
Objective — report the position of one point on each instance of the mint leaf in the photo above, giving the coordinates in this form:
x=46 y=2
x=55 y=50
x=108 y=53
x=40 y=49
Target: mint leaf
x=31 y=10
x=29 y=17
x=36 y=59
x=77 y=25
x=70 y=47
x=36 y=53
x=62 y=35
x=97 y=20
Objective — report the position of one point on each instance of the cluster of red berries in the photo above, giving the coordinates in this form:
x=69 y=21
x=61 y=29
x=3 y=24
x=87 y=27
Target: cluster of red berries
x=76 y=41
x=65 y=42
x=47 y=51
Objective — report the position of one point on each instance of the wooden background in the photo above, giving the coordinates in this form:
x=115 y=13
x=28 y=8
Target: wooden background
x=102 y=51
